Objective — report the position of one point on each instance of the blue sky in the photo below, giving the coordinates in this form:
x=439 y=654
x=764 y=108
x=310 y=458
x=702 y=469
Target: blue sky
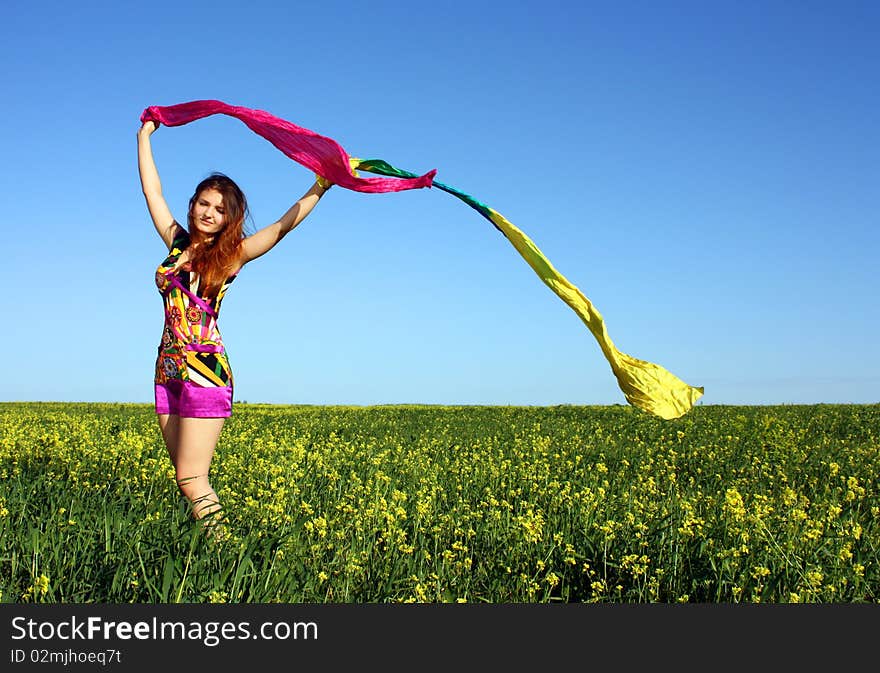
x=705 y=172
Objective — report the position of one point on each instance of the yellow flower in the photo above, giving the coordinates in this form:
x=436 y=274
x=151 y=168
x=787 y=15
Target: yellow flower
x=218 y=596
x=733 y=504
x=39 y=588
x=854 y=490
x=533 y=525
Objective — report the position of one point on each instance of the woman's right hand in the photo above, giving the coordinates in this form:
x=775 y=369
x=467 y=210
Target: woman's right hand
x=147 y=128
x=323 y=182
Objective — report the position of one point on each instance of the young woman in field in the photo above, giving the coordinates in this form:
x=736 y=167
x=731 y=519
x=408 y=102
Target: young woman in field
x=193 y=380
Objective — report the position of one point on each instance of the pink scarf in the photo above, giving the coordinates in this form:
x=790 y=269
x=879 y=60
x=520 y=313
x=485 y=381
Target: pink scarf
x=319 y=154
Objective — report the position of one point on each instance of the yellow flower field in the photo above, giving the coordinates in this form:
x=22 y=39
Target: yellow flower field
x=442 y=504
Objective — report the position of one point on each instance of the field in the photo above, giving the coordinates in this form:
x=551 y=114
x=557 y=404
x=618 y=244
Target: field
x=772 y=504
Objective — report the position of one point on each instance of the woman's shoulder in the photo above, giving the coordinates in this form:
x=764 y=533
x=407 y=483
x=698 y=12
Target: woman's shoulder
x=180 y=238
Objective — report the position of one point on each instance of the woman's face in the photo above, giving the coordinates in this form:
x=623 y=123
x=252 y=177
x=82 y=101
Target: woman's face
x=208 y=213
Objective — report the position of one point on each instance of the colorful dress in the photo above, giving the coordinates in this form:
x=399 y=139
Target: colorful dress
x=193 y=376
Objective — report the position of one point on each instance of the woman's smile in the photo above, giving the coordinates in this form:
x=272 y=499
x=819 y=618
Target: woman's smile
x=209 y=212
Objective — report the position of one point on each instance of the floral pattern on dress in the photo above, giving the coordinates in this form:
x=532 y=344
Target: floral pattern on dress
x=170 y=367
x=167 y=337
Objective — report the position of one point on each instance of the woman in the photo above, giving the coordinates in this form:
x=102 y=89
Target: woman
x=193 y=382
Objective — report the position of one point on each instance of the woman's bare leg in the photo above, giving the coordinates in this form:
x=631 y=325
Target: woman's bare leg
x=191 y=443
x=170 y=426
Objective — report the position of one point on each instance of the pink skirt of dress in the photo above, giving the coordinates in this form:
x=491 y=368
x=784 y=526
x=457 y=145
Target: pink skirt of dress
x=186 y=399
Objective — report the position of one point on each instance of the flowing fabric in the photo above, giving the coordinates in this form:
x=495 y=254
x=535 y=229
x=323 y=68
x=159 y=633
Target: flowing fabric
x=645 y=385
x=318 y=153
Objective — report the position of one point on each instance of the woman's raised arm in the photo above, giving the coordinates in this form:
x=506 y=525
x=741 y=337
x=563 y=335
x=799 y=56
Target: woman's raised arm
x=152 y=186
x=266 y=238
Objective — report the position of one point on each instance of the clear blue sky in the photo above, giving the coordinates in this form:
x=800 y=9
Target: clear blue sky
x=705 y=172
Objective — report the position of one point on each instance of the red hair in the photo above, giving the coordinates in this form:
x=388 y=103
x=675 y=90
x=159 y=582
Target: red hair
x=217 y=257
